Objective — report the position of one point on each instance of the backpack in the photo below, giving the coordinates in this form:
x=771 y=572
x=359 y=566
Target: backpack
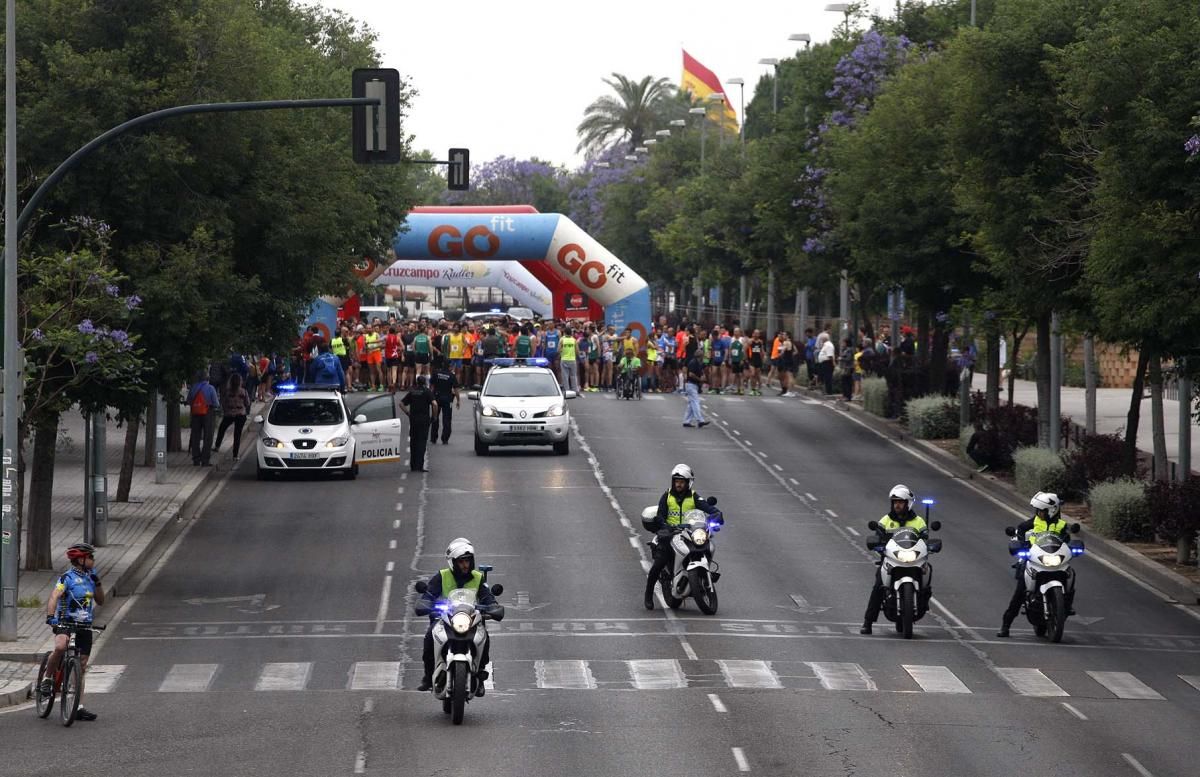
x=326 y=371
x=199 y=403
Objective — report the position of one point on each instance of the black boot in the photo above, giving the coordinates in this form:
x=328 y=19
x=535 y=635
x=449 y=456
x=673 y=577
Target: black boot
x=1003 y=632
x=426 y=683
x=866 y=629
x=484 y=675
x=649 y=600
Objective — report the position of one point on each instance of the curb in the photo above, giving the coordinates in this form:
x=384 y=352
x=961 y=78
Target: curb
x=15 y=693
x=1175 y=586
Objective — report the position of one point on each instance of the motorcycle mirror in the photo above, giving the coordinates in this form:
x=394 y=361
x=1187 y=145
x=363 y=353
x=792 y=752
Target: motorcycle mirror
x=935 y=526
x=1074 y=528
x=1011 y=531
x=712 y=500
x=872 y=525
x=870 y=543
x=421 y=586
x=497 y=589
x=935 y=546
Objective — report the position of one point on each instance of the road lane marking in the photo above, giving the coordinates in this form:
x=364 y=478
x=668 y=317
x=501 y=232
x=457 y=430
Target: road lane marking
x=836 y=676
x=375 y=676
x=283 y=677
x=716 y=703
x=101 y=679
x=188 y=678
x=391 y=566
x=360 y=762
x=635 y=542
x=1192 y=680
x=399 y=506
x=853 y=531
x=396 y=524
x=794 y=482
x=1125 y=686
x=1137 y=765
x=368 y=706
x=831 y=513
x=737 y=432
x=936 y=679
x=391 y=544
x=811 y=498
x=741 y=673
x=400 y=490
x=776 y=466
x=1029 y=682
x=740 y=756
x=657 y=674
x=1074 y=711
x=572 y=675
x=385 y=596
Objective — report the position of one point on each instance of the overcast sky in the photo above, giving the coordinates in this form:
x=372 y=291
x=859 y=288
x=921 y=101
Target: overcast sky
x=514 y=78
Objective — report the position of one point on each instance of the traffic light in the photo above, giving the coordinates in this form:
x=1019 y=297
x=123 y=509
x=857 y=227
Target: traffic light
x=376 y=130
x=458 y=176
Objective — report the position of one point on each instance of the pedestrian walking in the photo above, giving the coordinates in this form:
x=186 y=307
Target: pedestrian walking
x=235 y=405
x=694 y=416
x=445 y=390
x=204 y=403
x=420 y=407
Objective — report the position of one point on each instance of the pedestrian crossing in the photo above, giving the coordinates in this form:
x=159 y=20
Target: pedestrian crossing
x=648 y=675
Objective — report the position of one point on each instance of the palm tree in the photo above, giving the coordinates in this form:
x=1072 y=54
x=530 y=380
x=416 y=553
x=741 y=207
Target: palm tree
x=637 y=109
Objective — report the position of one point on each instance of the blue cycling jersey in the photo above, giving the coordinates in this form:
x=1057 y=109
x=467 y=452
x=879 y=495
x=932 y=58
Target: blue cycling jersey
x=78 y=596
x=551 y=342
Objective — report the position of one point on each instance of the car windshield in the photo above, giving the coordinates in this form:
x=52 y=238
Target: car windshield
x=521 y=384
x=306 y=412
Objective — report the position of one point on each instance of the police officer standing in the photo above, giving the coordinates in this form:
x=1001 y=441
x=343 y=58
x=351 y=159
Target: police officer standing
x=445 y=389
x=420 y=407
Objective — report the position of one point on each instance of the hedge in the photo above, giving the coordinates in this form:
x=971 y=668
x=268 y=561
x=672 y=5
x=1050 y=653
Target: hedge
x=932 y=418
x=875 y=394
x=1039 y=469
x=1119 y=510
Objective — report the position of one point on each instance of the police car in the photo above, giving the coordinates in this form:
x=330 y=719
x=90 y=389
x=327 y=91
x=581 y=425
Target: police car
x=520 y=403
x=308 y=428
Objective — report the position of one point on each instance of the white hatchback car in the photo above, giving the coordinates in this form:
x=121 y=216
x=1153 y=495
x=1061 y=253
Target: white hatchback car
x=308 y=428
x=520 y=403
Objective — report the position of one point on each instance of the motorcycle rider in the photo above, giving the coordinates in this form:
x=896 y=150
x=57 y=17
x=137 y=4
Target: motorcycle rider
x=1046 y=518
x=673 y=505
x=901 y=516
x=459 y=573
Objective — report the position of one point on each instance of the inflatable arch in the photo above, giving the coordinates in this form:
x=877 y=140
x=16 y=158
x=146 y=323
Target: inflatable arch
x=510 y=277
x=576 y=268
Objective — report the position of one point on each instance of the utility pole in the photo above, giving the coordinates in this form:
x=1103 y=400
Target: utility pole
x=9 y=538
x=1055 y=382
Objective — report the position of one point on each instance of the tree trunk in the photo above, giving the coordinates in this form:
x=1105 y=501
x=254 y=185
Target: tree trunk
x=1183 y=547
x=939 y=348
x=174 y=427
x=1134 y=415
x=1018 y=336
x=1043 y=380
x=922 y=357
x=993 y=368
x=38 y=553
x=125 y=479
x=1162 y=466
x=1089 y=383
x=151 y=428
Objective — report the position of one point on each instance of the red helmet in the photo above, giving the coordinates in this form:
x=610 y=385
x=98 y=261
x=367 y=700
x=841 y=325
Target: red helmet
x=80 y=550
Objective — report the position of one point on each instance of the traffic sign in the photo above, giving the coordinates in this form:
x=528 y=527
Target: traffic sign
x=458 y=176
x=375 y=131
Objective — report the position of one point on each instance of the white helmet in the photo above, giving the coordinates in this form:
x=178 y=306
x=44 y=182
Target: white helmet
x=900 y=491
x=685 y=472
x=459 y=547
x=1044 y=500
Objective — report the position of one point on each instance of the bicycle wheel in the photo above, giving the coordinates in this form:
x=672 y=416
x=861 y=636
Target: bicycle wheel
x=72 y=680
x=44 y=702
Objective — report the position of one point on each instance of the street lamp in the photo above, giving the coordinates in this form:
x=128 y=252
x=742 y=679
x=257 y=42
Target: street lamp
x=677 y=123
x=803 y=37
x=703 y=130
x=605 y=165
x=773 y=62
x=741 y=85
x=650 y=141
x=641 y=150
x=664 y=133
x=844 y=9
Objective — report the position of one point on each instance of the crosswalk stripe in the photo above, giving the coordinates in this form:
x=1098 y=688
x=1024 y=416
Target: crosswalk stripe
x=749 y=674
x=936 y=679
x=1192 y=680
x=284 y=677
x=575 y=675
x=101 y=679
x=1125 y=686
x=836 y=676
x=1029 y=682
x=657 y=674
x=375 y=676
x=188 y=678
x=773 y=401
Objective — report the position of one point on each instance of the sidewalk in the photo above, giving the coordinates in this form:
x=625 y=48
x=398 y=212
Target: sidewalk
x=136 y=529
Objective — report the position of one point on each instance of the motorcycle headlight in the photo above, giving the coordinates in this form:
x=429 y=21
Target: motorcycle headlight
x=557 y=410
x=1051 y=560
x=699 y=536
x=271 y=442
x=337 y=442
x=906 y=556
x=461 y=622
x=490 y=412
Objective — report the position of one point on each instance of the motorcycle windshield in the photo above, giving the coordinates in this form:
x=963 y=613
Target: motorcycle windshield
x=905 y=539
x=461 y=600
x=1048 y=542
x=695 y=519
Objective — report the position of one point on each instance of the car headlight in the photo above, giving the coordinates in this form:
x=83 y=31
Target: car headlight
x=699 y=536
x=557 y=410
x=337 y=442
x=488 y=411
x=461 y=622
x=906 y=556
x=1051 y=560
x=271 y=442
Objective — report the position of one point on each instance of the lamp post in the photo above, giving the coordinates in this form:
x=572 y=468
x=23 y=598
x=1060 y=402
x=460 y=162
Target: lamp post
x=803 y=37
x=741 y=85
x=844 y=9
x=773 y=62
x=703 y=131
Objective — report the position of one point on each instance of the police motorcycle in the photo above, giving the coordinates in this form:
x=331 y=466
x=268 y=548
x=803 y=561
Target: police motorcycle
x=692 y=572
x=905 y=571
x=1048 y=577
x=459 y=636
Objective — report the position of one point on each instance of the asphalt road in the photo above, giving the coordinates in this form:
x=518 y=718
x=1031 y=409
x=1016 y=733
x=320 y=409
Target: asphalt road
x=276 y=639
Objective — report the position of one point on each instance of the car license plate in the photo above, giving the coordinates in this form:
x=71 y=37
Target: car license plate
x=306 y=455
x=525 y=428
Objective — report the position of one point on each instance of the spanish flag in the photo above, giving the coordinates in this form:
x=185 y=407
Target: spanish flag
x=702 y=82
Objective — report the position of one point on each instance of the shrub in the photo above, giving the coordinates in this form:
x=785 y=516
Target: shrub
x=1039 y=469
x=875 y=395
x=1097 y=458
x=1002 y=430
x=1174 y=508
x=801 y=375
x=932 y=418
x=1119 y=509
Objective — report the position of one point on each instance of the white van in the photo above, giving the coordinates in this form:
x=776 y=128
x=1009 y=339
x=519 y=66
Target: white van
x=431 y=314
x=368 y=313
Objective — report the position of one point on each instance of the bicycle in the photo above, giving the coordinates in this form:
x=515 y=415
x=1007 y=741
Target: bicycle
x=68 y=678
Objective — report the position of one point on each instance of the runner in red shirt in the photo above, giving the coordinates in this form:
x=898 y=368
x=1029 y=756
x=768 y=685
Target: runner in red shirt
x=391 y=355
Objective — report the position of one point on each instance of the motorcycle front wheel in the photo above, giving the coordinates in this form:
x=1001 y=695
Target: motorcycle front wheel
x=458 y=692
x=1056 y=614
x=703 y=591
x=908 y=611
x=668 y=597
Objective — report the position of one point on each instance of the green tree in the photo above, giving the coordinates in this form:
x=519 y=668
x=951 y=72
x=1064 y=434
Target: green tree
x=633 y=113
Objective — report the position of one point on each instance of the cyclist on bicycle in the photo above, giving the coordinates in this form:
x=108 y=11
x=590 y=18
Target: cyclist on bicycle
x=72 y=602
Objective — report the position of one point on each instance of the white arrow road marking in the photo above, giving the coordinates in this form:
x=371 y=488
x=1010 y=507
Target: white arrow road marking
x=802 y=606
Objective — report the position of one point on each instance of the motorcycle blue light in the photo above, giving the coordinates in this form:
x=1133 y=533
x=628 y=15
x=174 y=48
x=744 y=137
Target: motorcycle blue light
x=1022 y=554
x=1077 y=551
x=928 y=502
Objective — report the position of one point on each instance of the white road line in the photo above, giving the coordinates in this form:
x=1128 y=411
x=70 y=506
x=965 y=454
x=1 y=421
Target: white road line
x=101 y=679
x=1125 y=686
x=400 y=490
x=1192 y=680
x=853 y=531
x=716 y=703
x=375 y=676
x=740 y=756
x=795 y=482
x=188 y=678
x=368 y=705
x=836 y=676
x=1137 y=765
x=404 y=476
x=1074 y=711
x=738 y=433
x=831 y=513
x=936 y=679
x=399 y=506
x=749 y=443
x=811 y=498
x=391 y=567
x=970 y=632
x=360 y=762
x=715 y=415
x=635 y=542
x=385 y=596
x=283 y=677
x=396 y=524
x=776 y=466
x=749 y=674
x=656 y=674
x=574 y=675
x=1029 y=682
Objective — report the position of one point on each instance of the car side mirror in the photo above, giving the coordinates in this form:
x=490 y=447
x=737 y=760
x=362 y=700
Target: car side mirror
x=1074 y=528
x=569 y=394
x=420 y=586
x=712 y=500
x=873 y=525
x=497 y=589
x=360 y=419
x=258 y=419
x=935 y=526
x=472 y=395
x=1011 y=531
